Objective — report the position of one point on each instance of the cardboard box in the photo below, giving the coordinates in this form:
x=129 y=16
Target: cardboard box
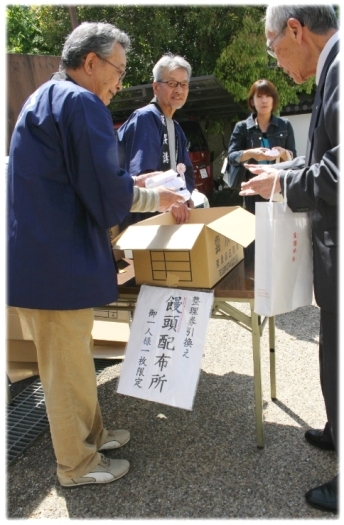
x=105 y=314
x=15 y=328
x=21 y=359
x=110 y=339
x=196 y=254
x=109 y=325
x=109 y=342
x=21 y=354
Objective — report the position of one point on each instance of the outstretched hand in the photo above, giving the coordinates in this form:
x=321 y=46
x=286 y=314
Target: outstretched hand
x=262 y=184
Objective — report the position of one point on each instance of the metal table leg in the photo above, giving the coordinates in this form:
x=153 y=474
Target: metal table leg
x=257 y=377
x=272 y=357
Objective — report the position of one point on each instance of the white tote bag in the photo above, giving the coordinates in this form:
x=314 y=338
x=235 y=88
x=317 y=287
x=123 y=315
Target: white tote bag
x=283 y=273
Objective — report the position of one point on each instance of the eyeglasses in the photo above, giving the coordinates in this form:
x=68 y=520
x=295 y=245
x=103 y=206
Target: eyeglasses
x=174 y=83
x=122 y=73
x=268 y=48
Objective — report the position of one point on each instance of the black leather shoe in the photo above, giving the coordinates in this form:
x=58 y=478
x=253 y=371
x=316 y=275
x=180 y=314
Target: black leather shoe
x=324 y=497
x=316 y=438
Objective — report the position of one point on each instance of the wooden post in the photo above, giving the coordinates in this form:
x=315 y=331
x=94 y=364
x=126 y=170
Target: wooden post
x=73 y=16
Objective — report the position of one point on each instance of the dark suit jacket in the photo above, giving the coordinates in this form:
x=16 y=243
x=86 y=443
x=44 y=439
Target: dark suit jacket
x=315 y=186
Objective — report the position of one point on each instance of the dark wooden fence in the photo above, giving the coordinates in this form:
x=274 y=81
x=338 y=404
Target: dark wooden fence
x=25 y=73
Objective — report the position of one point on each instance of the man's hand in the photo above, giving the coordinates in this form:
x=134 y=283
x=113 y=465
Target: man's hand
x=180 y=212
x=262 y=184
x=167 y=198
x=140 y=180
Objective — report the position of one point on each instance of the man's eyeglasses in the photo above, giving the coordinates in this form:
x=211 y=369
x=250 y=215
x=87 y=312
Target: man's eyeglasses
x=174 y=83
x=122 y=73
x=268 y=49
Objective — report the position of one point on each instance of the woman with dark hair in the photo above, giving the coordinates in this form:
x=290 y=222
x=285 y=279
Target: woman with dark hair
x=262 y=138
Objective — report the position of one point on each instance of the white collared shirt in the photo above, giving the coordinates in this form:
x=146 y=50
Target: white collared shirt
x=324 y=54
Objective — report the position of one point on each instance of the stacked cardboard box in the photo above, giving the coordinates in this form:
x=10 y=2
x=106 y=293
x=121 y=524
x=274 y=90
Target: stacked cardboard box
x=109 y=341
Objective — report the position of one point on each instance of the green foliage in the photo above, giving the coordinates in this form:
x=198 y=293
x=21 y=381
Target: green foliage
x=149 y=32
x=55 y=25
x=196 y=32
x=23 y=32
x=36 y=29
x=237 y=76
x=225 y=40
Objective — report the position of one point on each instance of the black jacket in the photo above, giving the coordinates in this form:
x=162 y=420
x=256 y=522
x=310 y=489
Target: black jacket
x=315 y=186
x=246 y=135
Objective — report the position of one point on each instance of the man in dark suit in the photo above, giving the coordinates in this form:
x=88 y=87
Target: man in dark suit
x=305 y=41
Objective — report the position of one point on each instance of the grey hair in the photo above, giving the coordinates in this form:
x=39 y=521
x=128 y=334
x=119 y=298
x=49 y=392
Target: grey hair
x=170 y=62
x=96 y=37
x=318 y=18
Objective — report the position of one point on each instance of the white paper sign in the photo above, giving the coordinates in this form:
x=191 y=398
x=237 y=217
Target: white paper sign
x=163 y=357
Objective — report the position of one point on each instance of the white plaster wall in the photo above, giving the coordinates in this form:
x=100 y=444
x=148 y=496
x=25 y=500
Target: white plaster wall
x=300 y=125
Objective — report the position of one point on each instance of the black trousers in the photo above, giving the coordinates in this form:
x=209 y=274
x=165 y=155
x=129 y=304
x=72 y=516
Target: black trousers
x=329 y=371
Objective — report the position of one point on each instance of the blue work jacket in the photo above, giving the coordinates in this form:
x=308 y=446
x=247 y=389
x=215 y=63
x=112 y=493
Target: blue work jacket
x=65 y=190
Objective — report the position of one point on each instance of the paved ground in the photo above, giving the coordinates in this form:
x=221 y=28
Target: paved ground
x=204 y=463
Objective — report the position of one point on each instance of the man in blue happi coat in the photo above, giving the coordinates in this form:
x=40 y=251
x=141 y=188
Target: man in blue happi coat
x=65 y=191
x=150 y=140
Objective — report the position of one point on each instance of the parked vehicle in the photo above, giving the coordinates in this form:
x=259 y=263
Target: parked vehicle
x=201 y=157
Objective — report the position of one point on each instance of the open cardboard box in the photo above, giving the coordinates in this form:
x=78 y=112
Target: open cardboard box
x=196 y=254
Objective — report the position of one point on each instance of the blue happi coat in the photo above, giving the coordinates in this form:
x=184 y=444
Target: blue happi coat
x=65 y=189
x=140 y=144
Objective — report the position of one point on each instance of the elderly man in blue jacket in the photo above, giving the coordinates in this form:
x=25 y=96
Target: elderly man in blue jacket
x=65 y=190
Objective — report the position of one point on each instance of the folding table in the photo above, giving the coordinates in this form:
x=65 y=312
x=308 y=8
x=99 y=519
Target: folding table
x=235 y=287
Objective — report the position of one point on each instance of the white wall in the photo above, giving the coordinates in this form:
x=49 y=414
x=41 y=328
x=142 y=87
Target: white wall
x=300 y=125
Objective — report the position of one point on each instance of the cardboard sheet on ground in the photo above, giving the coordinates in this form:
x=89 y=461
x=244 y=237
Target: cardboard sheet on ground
x=163 y=357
